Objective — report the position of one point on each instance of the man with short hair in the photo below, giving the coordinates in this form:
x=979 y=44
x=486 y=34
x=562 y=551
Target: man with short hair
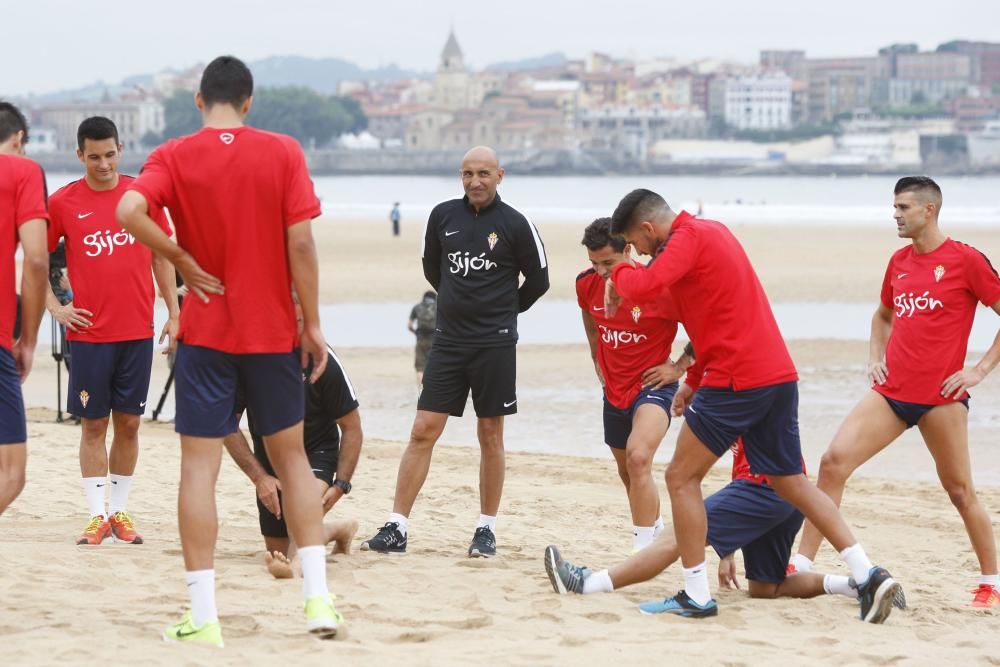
x=242 y=204
x=109 y=325
x=23 y=214
x=631 y=355
x=422 y=322
x=916 y=367
x=474 y=250
x=748 y=388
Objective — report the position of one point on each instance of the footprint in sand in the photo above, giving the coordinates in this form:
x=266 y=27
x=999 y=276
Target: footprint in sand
x=603 y=617
x=240 y=625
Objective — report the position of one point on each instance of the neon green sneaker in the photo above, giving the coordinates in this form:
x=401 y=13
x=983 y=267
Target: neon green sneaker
x=322 y=618
x=209 y=634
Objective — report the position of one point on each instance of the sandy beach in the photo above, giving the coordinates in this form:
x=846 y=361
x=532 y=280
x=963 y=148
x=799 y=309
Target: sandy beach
x=433 y=606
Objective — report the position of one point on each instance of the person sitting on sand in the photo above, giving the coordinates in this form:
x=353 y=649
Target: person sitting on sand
x=333 y=439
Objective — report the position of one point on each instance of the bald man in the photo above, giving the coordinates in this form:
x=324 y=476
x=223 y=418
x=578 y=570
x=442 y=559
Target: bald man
x=475 y=248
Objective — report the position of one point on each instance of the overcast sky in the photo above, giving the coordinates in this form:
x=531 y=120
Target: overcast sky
x=50 y=45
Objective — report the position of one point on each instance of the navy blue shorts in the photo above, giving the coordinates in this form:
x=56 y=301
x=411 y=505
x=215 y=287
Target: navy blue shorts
x=13 y=426
x=766 y=417
x=911 y=413
x=754 y=518
x=618 y=423
x=207 y=380
x=109 y=376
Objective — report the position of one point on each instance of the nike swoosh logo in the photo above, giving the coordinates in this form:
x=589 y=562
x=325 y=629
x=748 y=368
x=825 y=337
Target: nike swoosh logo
x=901 y=276
x=143 y=404
x=596 y=308
x=656 y=397
x=81 y=216
x=316 y=470
x=693 y=411
x=454 y=232
x=507 y=405
x=100 y=485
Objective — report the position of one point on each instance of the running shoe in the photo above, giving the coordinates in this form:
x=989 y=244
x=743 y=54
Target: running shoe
x=388 y=540
x=97 y=529
x=898 y=598
x=986 y=596
x=877 y=595
x=680 y=605
x=484 y=544
x=322 y=618
x=123 y=528
x=209 y=634
x=564 y=576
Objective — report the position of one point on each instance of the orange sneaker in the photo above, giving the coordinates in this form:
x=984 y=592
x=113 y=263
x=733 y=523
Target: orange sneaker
x=97 y=529
x=123 y=528
x=986 y=597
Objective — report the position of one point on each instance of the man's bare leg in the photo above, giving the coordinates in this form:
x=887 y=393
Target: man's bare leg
x=416 y=460
x=196 y=513
x=946 y=431
x=13 y=462
x=649 y=425
x=868 y=429
x=492 y=464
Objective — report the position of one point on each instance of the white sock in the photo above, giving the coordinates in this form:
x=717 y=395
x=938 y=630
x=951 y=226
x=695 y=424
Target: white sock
x=313 y=561
x=801 y=563
x=119 y=492
x=598 y=582
x=835 y=584
x=696 y=584
x=658 y=526
x=857 y=560
x=488 y=521
x=642 y=537
x=93 y=489
x=990 y=580
x=401 y=520
x=201 y=588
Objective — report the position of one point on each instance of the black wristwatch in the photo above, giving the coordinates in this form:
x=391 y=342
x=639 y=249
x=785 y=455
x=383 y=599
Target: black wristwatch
x=343 y=485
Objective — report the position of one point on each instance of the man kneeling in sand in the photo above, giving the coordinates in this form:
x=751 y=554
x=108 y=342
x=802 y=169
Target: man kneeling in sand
x=333 y=444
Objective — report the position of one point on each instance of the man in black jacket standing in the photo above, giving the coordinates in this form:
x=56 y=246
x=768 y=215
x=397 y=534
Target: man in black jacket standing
x=475 y=248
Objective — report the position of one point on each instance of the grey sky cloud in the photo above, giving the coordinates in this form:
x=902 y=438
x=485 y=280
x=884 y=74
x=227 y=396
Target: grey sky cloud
x=55 y=44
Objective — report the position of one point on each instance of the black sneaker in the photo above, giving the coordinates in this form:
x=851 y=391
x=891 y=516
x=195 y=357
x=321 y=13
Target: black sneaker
x=484 y=544
x=879 y=595
x=388 y=540
x=564 y=576
x=898 y=598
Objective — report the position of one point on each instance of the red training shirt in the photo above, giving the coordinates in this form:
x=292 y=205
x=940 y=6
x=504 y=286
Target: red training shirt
x=721 y=302
x=232 y=194
x=933 y=300
x=22 y=198
x=638 y=337
x=110 y=273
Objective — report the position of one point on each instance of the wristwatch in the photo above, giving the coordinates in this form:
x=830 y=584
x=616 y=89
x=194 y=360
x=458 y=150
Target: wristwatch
x=343 y=485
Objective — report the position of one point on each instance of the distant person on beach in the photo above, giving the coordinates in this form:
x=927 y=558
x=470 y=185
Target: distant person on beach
x=475 y=249
x=23 y=216
x=109 y=326
x=423 y=319
x=749 y=388
x=745 y=515
x=333 y=437
x=916 y=367
x=244 y=230
x=631 y=355
x=395 y=217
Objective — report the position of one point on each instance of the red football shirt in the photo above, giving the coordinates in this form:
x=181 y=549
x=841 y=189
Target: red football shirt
x=231 y=194
x=109 y=271
x=638 y=337
x=22 y=198
x=721 y=302
x=741 y=466
x=933 y=299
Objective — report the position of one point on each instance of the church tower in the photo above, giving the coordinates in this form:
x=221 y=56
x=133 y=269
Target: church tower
x=451 y=83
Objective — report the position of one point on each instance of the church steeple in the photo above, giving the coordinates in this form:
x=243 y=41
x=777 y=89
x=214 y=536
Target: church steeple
x=452 y=59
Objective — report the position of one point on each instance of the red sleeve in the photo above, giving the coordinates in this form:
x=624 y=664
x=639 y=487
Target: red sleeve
x=887 y=285
x=983 y=279
x=159 y=216
x=694 y=373
x=154 y=181
x=666 y=307
x=301 y=202
x=581 y=294
x=55 y=223
x=650 y=283
x=31 y=198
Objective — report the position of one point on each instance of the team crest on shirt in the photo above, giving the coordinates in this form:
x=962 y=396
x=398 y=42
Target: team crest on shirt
x=938 y=273
x=636 y=314
x=84 y=398
x=227 y=138
x=492 y=239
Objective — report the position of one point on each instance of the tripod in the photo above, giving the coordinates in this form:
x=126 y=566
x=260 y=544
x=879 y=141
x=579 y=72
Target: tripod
x=59 y=354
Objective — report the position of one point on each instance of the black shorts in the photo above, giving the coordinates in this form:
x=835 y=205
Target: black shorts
x=618 y=423
x=323 y=461
x=912 y=413
x=489 y=372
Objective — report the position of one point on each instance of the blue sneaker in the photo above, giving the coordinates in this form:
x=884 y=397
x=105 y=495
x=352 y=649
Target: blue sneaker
x=681 y=605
